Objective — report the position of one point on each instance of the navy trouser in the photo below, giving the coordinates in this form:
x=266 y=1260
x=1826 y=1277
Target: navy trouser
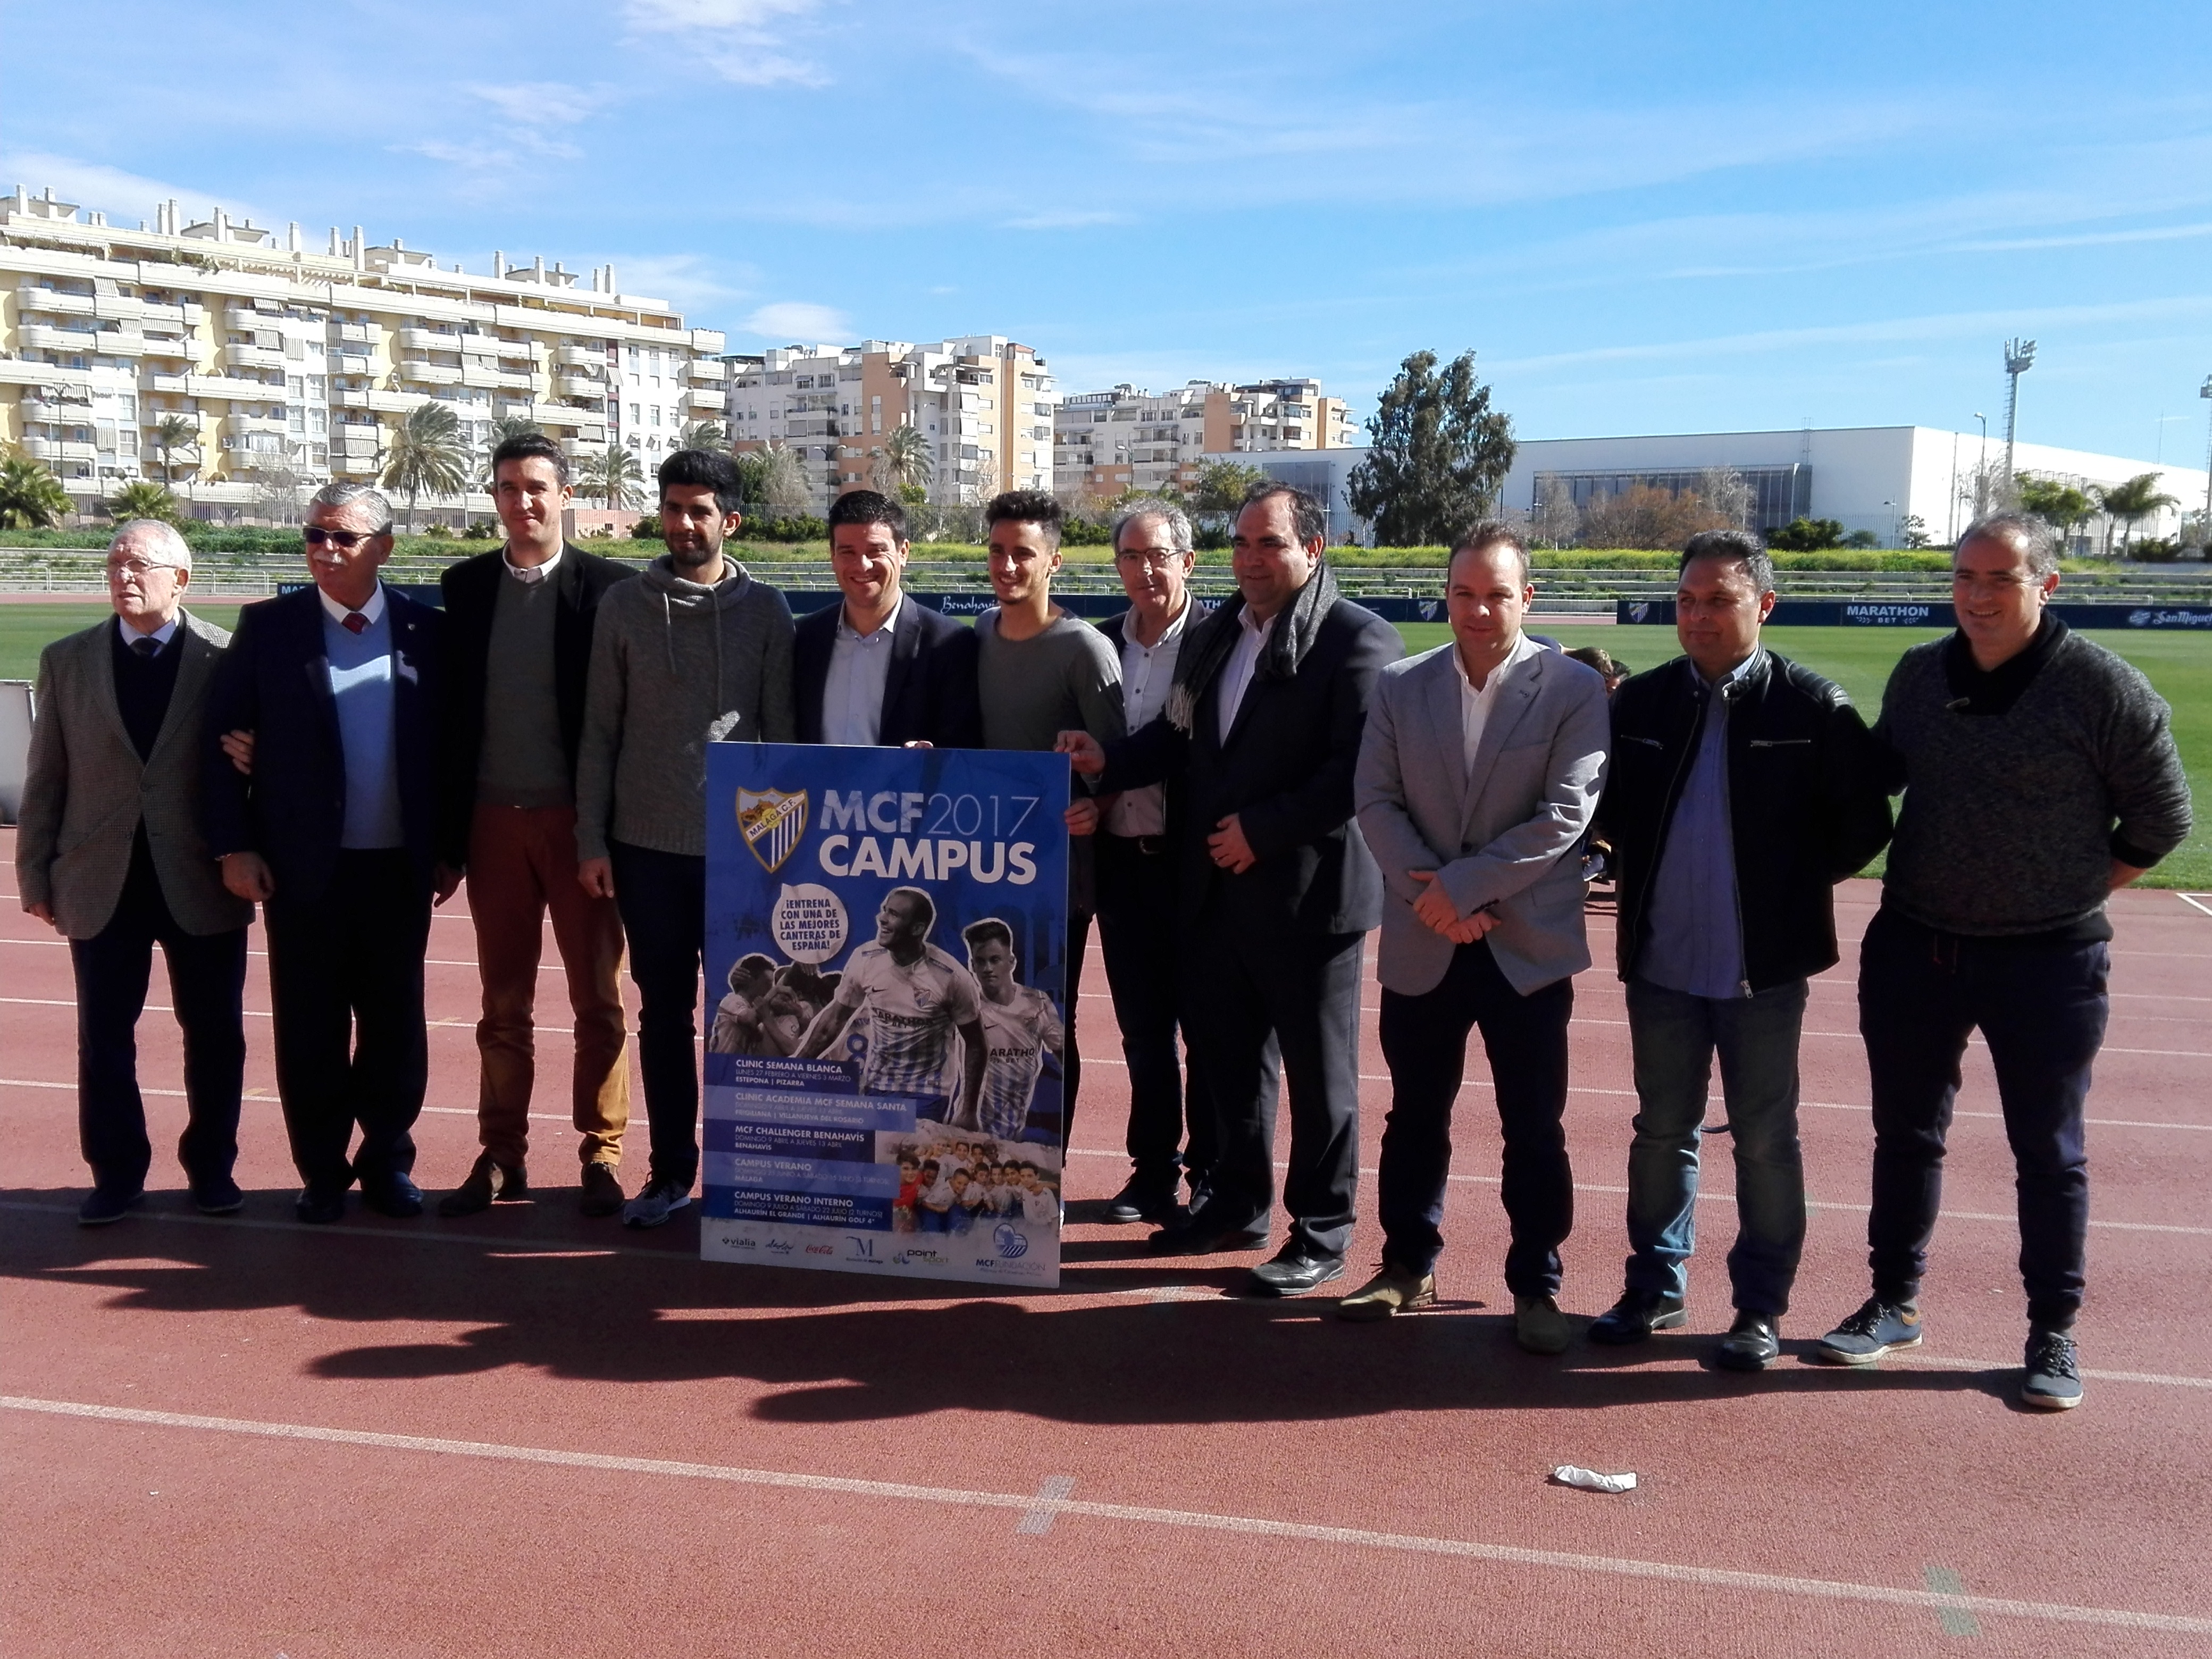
x=663 y=900
x=1425 y=1043
x=1141 y=928
x=207 y=983
x=2042 y=1009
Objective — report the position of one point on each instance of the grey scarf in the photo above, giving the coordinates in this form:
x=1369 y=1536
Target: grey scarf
x=1199 y=664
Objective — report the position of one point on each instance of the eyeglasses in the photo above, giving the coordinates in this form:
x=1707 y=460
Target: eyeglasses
x=344 y=540
x=136 y=568
x=1157 y=558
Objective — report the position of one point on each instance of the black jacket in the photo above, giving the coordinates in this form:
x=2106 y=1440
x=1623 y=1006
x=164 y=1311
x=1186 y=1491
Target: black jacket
x=1117 y=630
x=1806 y=799
x=274 y=681
x=1285 y=768
x=471 y=595
x=929 y=694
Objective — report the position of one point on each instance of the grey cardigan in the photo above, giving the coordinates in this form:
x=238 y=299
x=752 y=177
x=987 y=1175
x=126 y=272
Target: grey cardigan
x=86 y=790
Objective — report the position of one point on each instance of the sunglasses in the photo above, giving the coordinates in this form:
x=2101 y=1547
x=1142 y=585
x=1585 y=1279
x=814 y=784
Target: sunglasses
x=344 y=540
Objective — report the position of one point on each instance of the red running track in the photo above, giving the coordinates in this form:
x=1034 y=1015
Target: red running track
x=527 y=1432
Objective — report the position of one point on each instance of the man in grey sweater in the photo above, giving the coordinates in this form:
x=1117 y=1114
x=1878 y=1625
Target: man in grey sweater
x=2039 y=776
x=1040 y=673
x=694 y=652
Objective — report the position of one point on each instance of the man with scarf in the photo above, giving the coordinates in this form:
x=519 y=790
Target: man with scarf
x=1263 y=728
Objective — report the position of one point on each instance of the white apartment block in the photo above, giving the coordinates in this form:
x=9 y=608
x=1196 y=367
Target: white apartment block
x=290 y=364
x=1106 y=442
x=983 y=403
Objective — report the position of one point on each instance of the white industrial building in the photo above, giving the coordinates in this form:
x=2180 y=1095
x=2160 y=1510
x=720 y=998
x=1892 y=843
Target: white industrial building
x=1871 y=478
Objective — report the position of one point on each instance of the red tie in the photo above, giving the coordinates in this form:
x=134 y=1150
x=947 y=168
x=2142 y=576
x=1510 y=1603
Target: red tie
x=355 y=621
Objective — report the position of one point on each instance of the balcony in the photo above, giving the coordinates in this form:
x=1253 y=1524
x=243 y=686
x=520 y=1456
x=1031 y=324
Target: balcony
x=37 y=337
x=704 y=400
x=586 y=422
x=577 y=356
x=53 y=451
x=475 y=372
x=355 y=466
x=47 y=409
x=236 y=424
x=178 y=384
x=427 y=339
x=168 y=346
x=578 y=449
x=354 y=333
x=706 y=368
x=52 y=302
x=350 y=365
x=578 y=385
x=533 y=350
x=116 y=344
x=431 y=374
x=172 y=315
x=253 y=356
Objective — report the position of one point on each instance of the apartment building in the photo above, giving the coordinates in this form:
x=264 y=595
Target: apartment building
x=983 y=403
x=288 y=367
x=1106 y=442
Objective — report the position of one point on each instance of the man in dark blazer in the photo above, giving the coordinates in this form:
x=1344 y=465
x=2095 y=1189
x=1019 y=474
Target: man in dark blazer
x=881 y=668
x=110 y=854
x=1264 y=727
x=336 y=830
x=518 y=648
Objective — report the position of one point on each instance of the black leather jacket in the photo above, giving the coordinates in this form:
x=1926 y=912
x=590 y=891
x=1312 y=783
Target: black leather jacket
x=1806 y=799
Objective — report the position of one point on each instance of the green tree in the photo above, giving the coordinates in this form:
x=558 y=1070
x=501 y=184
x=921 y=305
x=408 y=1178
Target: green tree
x=613 y=475
x=31 y=498
x=1439 y=456
x=499 y=430
x=1223 y=485
x=700 y=434
x=142 y=498
x=1806 y=536
x=773 y=481
x=904 y=462
x=2138 y=498
x=428 y=455
x=170 y=434
x=2057 y=503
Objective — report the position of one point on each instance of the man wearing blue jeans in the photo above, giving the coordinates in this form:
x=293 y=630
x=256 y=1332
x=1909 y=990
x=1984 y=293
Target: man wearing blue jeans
x=2039 y=776
x=1743 y=788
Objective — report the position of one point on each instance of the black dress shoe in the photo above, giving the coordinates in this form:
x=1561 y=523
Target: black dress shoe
x=1635 y=1316
x=104 y=1205
x=217 y=1195
x=320 y=1205
x=1200 y=1237
x=392 y=1194
x=488 y=1180
x=1144 y=1200
x=1293 y=1272
x=1753 y=1343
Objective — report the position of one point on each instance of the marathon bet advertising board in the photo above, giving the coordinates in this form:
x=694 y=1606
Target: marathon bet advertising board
x=886 y=955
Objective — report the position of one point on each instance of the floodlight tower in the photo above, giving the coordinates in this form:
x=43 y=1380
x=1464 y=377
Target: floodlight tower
x=2020 y=358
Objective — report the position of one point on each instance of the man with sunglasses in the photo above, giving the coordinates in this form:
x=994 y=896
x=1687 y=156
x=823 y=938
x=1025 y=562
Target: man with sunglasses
x=337 y=832
x=109 y=853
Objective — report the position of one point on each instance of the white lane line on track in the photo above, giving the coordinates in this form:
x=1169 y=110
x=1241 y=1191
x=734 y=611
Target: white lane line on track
x=1831 y=1589
x=2195 y=901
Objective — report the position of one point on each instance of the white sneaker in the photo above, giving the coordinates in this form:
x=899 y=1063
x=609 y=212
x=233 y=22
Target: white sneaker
x=660 y=1199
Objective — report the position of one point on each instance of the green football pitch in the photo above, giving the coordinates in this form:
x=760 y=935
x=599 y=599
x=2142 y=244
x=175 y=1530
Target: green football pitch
x=1858 y=658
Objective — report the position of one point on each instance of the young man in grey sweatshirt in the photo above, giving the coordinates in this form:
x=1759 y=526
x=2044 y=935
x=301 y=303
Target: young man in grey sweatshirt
x=2039 y=776
x=693 y=653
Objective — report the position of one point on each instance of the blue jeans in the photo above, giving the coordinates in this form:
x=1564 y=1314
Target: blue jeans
x=1674 y=1036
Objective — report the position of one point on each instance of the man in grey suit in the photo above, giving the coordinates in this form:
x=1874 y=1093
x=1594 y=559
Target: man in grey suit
x=1479 y=771
x=110 y=854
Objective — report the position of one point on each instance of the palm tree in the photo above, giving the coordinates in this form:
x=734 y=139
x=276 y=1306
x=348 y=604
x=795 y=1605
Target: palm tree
x=2138 y=498
x=613 y=475
x=427 y=455
x=499 y=430
x=905 y=460
x=31 y=498
x=170 y=434
x=700 y=434
x=142 y=498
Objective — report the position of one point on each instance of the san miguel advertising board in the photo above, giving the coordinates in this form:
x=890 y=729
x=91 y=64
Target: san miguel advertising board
x=886 y=949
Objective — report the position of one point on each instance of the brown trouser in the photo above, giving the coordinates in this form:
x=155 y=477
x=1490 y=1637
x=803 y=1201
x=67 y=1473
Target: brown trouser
x=522 y=862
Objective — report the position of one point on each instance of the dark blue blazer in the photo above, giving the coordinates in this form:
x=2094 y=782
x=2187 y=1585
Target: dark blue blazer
x=929 y=694
x=274 y=682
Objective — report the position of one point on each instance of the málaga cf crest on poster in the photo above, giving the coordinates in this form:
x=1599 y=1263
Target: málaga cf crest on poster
x=887 y=936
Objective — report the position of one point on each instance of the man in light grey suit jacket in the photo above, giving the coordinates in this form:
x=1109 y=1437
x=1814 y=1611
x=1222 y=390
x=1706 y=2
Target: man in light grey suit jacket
x=1479 y=771
x=110 y=855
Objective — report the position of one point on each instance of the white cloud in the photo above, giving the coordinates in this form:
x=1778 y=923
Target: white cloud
x=685 y=280
x=1069 y=219
x=536 y=104
x=742 y=41
x=797 y=319
x=123 y=196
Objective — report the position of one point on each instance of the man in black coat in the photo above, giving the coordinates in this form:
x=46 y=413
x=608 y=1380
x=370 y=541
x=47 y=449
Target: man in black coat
x=336 y=833
x=1743 y=788
x=1263 y=726
x=518 y=624
x=880 y=668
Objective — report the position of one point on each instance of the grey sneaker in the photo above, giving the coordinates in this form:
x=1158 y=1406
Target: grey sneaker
x=661 y=1198
x=1875 y=1329
x=2052 y=1382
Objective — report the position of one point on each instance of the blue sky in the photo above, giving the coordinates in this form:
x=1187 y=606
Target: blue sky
x=1643 y=218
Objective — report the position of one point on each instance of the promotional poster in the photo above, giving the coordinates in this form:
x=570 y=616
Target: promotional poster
x=886 y=956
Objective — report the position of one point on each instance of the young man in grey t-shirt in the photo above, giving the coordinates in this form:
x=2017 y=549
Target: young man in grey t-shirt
x=1041 y=673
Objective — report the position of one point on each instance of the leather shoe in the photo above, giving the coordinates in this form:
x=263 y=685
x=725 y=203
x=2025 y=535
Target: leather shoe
x=392 y=1194
x=488 y=1180
x=602 y=1193
x=217 y=1195
x=1635 y=1316
x=1393 y=1290
x=104 y=1205
x=1293 y=1271
x=1201 y=1237
x=320 y=1205
x=1753 y=1343
x=1538 y=1325
x=1144 y=1201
